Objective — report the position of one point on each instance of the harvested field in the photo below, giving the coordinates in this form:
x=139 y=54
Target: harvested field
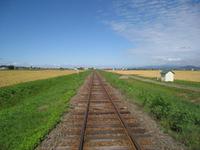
x=188 y=75
x=9 y=77
x=179 y=75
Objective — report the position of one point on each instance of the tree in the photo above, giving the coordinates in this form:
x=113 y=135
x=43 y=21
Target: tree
x=11 y=67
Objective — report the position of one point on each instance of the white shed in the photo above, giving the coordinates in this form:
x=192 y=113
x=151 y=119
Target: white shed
x=167 y=75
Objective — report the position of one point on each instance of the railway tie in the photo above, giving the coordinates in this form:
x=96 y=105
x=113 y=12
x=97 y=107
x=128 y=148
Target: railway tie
x=99 y=121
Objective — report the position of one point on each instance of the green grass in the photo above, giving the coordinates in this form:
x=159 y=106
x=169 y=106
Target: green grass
x=171 y=107
x=188 y=83
x=28 y=111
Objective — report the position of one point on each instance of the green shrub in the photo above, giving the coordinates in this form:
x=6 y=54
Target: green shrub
x=197 y=119
x=160 y=107
x=146 y=97
x=180 y=118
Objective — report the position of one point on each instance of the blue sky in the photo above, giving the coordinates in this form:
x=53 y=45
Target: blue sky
x=100 y=32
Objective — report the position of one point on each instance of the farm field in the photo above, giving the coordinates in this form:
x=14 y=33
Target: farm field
x=28 y=111
x=179 y=75
x=10 y=77
x=171 y=107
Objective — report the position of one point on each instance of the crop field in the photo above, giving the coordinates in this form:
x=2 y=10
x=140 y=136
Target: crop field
x=179 y=75
x=28 y=111
x=173 y=108
x=10 y=77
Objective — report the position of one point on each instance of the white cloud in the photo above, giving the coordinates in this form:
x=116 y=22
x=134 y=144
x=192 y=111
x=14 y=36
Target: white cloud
x=170 y=29
x=168 y=59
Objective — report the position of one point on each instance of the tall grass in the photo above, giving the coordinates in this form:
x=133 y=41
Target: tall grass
x=171 y=107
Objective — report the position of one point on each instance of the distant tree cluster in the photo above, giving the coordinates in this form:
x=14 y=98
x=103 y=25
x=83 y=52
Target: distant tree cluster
x=9 y=67
x=12 y=67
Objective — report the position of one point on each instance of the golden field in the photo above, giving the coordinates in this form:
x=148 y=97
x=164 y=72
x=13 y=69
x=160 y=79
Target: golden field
x=10 y=77
x=179 y=75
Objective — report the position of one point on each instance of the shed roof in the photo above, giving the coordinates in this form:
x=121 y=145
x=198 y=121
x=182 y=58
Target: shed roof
x=166 y=71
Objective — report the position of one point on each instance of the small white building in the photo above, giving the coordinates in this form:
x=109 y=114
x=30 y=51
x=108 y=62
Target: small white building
x=167 y=75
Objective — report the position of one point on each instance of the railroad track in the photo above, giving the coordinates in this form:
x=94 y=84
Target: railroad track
x=100 y=121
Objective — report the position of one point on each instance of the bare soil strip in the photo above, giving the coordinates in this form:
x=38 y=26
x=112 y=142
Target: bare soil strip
x=103 y=127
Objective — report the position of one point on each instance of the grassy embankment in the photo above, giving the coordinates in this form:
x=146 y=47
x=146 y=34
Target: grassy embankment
x=171 y=107
x=28 y=111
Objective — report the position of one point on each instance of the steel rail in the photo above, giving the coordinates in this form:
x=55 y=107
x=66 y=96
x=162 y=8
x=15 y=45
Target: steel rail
x=134 y=143
x=83 y=129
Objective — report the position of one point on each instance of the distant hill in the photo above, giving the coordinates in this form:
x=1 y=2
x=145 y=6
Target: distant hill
x=174 y=67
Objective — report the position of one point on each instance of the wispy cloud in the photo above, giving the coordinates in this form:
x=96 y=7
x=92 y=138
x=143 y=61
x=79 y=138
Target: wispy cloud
x=160 y=29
